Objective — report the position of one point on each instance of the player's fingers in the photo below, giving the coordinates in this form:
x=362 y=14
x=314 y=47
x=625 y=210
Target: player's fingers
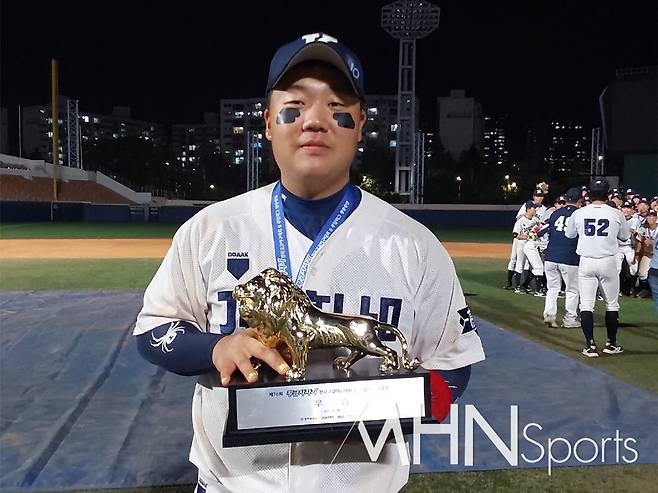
x=270 y=356
x=225 y=372
x=245 y=366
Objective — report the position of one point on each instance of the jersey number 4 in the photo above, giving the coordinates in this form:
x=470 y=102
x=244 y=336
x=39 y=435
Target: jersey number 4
x=561 y=223
x=596 y=228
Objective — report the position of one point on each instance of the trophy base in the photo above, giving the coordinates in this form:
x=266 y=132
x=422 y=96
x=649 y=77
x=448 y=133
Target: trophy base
x=327 y=405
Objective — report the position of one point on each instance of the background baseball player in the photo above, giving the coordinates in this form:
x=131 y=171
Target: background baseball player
x=627 y=252
x=646 y=237
x=561 y=263
x=598 y=227
x=537 y=198
x=350 y=252
x=531 y=251
x=521 y=230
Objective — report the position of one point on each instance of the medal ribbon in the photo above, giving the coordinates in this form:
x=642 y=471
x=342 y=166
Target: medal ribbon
x=281 y=250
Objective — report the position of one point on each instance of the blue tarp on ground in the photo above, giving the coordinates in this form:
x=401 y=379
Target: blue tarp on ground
x=80 y=409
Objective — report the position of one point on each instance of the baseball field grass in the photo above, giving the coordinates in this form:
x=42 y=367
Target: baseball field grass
x=481 y=280
x=15 y=231
x=566 y=479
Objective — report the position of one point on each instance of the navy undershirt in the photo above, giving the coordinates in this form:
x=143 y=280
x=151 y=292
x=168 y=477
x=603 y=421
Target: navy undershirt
x=308 y=216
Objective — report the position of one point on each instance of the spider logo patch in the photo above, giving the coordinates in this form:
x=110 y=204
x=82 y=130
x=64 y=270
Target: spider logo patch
x=167 y=339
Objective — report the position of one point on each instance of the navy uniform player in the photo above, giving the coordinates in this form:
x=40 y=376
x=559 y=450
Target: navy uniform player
x=561 y=263
x=598 y=228
x=350 y=251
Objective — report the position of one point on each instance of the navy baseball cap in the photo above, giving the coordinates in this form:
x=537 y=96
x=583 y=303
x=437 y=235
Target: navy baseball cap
x=573 y=194
x=628 y=204
x=317 y=46
x=537 y=193
x=599 y=185
x=560 y=200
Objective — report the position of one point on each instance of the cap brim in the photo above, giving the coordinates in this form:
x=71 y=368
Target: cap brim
x=322 y=52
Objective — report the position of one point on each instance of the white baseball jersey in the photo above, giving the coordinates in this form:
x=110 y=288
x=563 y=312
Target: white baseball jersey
x=645 y=231
x=632 y=225
x=523 y=225
x=598 y=227
x=378 y=262
x=635 y=221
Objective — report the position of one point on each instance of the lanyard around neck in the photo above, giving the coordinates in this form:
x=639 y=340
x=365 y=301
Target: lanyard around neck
x=280 y=236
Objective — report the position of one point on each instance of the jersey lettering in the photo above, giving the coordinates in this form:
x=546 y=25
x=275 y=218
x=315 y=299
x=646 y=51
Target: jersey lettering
x=561 y=223
x=229 y=326
x=589 y=227
x=365 y=308
x=317 y=299
x=338 y=302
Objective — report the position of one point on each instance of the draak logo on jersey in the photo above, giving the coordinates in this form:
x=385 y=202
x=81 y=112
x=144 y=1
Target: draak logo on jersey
x=237 y=264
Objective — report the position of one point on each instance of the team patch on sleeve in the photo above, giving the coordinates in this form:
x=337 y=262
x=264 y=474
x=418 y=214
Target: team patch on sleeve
x=466 y=320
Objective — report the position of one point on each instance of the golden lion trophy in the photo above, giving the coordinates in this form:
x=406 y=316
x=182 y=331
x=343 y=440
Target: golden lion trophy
x=322 y=395
x=285 y=318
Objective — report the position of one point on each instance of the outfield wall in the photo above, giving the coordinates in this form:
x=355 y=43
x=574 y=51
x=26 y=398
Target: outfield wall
x=451 y=215
x=24 y=212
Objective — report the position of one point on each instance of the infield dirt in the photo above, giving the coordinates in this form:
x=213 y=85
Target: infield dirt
x=157 y=248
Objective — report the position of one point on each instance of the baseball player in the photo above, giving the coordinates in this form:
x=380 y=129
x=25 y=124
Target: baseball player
x=598 y=228
x=647 y=235
x=521 y=231
x=627 y=251
x=350 y=251
x=531 y=250
x=653 y=274
x=537 y=198
x=561 y=263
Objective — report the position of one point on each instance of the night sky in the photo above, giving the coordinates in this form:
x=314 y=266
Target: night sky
x=172 y=61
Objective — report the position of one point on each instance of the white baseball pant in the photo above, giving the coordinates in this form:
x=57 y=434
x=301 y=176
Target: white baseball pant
x=531 y=252
x=512 y=258
x=555 y=274
x=595 y=272
x=628 y=253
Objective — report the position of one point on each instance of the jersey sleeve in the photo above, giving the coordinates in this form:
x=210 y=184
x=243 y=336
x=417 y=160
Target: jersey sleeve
x=570 y=229
x=177 y=290
x=517 y=229
x=624 y=230
x=444 y=335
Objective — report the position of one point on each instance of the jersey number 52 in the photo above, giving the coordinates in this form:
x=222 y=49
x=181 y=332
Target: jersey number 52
x=592 y=227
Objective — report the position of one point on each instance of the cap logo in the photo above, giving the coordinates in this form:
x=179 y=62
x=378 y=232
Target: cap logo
x=321 y=37
x=355 y=71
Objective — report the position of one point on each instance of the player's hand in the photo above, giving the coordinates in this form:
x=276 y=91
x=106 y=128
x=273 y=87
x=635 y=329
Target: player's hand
x=234 y=352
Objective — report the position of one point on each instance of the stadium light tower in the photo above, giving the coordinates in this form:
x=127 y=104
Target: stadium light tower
x=407 y=20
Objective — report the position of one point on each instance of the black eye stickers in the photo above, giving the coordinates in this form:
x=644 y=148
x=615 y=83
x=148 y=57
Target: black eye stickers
x=344 y=120
x=287 y=115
